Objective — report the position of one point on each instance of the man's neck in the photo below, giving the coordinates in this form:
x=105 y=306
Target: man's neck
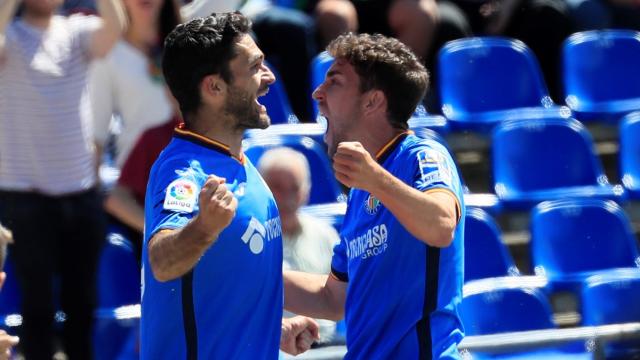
x=218 y=129
x=374 y=138
x=142 y=36
x=37 y=20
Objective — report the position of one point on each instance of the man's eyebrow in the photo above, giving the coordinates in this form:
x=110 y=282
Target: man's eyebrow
x=333 y=73
x=255 y=58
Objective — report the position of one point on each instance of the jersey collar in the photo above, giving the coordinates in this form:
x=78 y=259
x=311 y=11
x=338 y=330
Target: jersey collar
x=386 y=150
x=183 y=133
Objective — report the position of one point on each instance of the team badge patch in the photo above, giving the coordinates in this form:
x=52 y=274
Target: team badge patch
x=371 y=205
x=434 y=167
x=181 y=196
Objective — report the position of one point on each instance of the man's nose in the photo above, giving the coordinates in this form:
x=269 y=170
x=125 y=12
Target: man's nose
x=268 y=76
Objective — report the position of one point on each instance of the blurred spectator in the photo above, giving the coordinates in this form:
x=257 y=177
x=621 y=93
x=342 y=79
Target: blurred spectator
x=424 y=25
x=48 y=182
x=7 y=342
x=541 y=24
x=287 y=37
x=307 y=242
x=604 y=14
x=129 y=81
x=126 y=201
x=415 y=23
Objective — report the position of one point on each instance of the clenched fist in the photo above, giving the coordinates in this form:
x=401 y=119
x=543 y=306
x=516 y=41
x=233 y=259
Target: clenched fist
x=217 y=206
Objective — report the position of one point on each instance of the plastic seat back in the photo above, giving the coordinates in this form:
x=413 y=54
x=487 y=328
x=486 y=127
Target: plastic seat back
x=485 y=74
x=277 y=102
x=630 y=153
x=324 y=186
x=319 y=67
x=491 y=307
x=574 y=236
x=546 y=154
x=485 y=254
x=118 y=274
x=600 y=69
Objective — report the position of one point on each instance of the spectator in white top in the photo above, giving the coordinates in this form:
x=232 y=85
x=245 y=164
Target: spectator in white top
x=128 y=83
x=48 y=191
x=308 y=242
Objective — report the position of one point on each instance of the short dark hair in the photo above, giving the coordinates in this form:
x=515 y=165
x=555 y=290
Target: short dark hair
x=386 y=64
x=201 y=47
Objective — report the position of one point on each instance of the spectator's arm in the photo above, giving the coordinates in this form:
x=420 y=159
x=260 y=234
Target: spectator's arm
x=317 y=296
x=202 y=8
x=7 y=10
x=122 y=204
x=110 y=29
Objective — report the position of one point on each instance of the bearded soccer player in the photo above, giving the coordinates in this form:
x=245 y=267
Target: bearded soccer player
x=212 y=277
x=397 y=273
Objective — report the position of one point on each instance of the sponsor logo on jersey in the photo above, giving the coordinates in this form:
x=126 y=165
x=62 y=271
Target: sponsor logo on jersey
x=371 y=242
x=256 y=233
x=181 y=195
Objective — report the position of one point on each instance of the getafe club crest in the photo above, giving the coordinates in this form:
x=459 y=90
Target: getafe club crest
x=371 y=205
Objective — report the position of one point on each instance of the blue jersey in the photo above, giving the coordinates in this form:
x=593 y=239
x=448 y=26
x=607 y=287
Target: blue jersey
x=229 y=306
x=402 y=295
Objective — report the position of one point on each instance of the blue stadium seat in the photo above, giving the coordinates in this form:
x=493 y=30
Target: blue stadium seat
x=630 y=154
x=485 y=255
x=497 y=305
x=313 y=130
x=118 y=286
x=505 y=305
x=546 y=160
x=319 y=67
x=612 y=298
x=601 y=74
x=277 y=102
x=574 y=238
x=332 y=213
x=324 y=186
x=486 y=80
x=421 y=119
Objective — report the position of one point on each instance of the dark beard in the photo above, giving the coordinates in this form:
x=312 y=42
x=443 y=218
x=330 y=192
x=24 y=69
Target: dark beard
x=242 y=107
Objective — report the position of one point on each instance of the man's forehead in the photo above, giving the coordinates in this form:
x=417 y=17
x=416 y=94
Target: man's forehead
x=247 y=48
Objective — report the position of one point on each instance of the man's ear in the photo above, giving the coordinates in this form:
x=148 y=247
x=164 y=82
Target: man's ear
x=375 y=101
x=212 y=87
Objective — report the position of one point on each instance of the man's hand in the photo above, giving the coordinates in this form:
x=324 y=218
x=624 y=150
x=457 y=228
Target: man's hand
x=354 y=166
x=6 y=343
x=217 y=207
x=298 y=333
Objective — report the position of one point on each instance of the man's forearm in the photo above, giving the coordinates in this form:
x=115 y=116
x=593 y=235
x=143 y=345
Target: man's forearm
x=113 y=24
x=308 y=294
x=173 y=253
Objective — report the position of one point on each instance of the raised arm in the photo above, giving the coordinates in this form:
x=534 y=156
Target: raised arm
x=317 y=296
x=112 y=25
x=173 y=253
x=430 y=216
x=7 y=10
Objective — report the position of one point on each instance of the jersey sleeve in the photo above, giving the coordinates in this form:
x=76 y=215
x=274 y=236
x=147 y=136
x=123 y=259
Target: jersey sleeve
x=434 y=170
x=339 y=261
x=173 y=193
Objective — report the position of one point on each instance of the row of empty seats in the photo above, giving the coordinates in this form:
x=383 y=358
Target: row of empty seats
x=487 y=80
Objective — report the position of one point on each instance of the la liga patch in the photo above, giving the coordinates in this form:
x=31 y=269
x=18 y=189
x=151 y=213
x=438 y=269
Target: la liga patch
x=181 y=196
x=434 y=167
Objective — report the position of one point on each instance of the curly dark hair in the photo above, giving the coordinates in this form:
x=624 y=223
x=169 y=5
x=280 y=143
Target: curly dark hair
x=386 y=64
x=201 y=47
